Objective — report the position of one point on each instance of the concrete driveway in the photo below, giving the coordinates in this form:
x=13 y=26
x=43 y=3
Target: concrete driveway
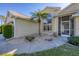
x=21 y=46
x=1 y=37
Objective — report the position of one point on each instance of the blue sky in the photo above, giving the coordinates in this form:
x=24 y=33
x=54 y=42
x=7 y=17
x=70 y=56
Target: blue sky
x=27 y=8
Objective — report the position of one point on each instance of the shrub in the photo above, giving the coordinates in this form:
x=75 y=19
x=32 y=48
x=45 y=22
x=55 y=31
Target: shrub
x=7 y=30
x=29 y=38
x=0 y=29
x=55 y=34
x=74 y=40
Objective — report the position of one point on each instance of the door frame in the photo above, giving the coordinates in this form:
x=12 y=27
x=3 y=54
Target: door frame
x=65 y=29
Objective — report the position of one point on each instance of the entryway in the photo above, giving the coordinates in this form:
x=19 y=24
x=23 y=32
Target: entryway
x=65 y=28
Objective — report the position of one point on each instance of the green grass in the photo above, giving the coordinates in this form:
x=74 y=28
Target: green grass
x=65 y=50
x=5 y=54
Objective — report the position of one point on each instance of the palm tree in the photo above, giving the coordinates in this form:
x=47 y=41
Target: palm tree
x=39 y=15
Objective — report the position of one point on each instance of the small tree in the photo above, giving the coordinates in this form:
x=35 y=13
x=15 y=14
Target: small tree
x=39 y=15
x=7 y=31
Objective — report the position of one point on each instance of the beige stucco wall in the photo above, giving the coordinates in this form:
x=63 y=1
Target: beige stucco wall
x=23 y=27
x=76 y=26
x=55 y=24
x=54 y=20
x=52 y=10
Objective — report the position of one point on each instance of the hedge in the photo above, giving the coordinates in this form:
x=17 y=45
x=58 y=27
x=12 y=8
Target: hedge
x=0 y=29
x=74 y=40
x=7 y=31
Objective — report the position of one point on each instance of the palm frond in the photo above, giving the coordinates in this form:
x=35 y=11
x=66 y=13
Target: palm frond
x=44 y=15
x=39 y=14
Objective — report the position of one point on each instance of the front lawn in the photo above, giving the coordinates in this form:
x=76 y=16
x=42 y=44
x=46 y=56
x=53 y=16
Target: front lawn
x=65 y=50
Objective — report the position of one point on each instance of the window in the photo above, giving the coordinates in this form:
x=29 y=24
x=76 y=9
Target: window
x=49 y=18
x=65 y=18
x=47 y=23
x=47 y=27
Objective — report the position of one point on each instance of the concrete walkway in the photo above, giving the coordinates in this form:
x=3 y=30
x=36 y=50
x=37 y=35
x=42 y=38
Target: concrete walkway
x=21 y=46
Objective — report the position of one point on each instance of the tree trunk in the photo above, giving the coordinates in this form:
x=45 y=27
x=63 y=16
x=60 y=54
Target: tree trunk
x=39 y=27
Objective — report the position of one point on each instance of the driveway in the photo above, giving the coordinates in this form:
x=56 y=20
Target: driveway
x=21 y=46
x=1 y=37
x=2 y=40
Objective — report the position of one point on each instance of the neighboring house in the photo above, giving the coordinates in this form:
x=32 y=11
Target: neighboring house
x=66 y=23
x=24 y=26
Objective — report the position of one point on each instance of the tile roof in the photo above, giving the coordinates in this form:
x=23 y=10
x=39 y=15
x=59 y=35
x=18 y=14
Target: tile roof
x=14 y=13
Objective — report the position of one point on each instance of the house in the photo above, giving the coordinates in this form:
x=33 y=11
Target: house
x=52 y=11
x=24 y=26
x=66 y=23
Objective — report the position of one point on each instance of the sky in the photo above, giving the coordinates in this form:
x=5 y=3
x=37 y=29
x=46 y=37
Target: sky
x=27 y=8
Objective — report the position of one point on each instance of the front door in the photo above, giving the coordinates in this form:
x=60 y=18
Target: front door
x=65 y=28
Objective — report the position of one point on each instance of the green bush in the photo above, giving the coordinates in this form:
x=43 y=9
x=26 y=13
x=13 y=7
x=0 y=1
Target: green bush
x=7 y=31
x=74 y=40
x=29 y=38
x=0 y=30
